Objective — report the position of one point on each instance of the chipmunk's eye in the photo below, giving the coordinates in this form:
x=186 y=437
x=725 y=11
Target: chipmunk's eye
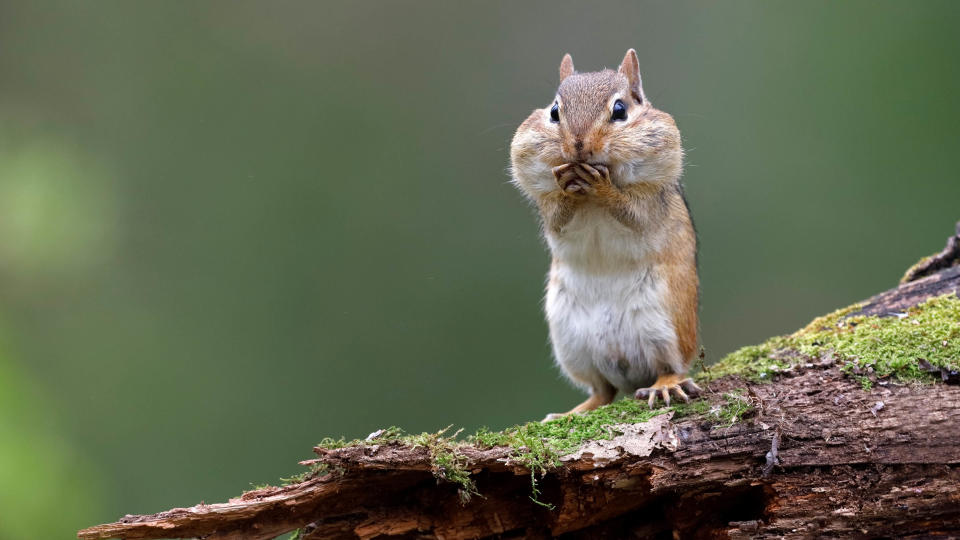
x=619 y=111
x=555 y=113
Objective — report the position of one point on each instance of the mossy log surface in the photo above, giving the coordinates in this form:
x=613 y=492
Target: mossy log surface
x=816 y=455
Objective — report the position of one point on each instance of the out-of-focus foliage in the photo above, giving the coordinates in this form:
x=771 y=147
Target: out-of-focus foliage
x=56 y=209
x=46 y=488
x=229 y=229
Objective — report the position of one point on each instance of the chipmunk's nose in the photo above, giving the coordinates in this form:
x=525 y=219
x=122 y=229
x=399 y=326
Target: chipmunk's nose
x=581 y=154
x=574 y=149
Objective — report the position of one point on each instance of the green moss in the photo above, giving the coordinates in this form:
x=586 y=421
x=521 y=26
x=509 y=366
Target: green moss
x=448 y=463
x=537 y=446
x=540 y=445
x=451 y=465
x=755 y=363
x=868 y=348
x=316 y=470
x=567 y=433
x=697 y=407
x=736 y=405
x=331 y=443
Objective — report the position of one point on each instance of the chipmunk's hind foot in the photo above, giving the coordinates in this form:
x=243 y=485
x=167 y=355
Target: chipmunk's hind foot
x=664 y=385
x=599 y=398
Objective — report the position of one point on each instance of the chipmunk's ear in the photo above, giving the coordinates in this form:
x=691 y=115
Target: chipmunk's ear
x=630 y=68
x=566 y=67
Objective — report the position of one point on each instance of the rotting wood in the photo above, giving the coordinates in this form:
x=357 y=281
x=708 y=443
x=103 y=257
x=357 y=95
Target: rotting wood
x=819 y=458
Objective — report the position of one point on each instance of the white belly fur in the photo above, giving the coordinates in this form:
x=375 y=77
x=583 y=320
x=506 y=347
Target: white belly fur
x=606 y=304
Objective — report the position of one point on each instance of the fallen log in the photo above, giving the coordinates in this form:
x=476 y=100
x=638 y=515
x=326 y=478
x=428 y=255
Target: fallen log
x=848 y=428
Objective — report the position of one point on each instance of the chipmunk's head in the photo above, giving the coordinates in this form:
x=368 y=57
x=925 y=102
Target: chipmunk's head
x=604 y=117
x=598 y=118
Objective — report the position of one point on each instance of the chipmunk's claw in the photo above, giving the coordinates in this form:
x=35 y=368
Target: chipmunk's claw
x=666 y=384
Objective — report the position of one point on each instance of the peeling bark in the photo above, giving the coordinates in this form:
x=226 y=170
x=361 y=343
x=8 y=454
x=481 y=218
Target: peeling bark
x=819 y=457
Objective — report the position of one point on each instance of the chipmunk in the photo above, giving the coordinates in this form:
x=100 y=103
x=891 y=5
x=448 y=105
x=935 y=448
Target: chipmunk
x=603 y=167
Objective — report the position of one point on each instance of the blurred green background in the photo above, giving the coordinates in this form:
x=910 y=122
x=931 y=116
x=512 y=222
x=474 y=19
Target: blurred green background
x=228 y=229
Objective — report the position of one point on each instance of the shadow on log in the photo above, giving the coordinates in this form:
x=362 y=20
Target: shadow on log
x=818 y=457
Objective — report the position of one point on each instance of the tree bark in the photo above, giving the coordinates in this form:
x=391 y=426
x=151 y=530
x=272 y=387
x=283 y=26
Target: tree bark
x=819 y=457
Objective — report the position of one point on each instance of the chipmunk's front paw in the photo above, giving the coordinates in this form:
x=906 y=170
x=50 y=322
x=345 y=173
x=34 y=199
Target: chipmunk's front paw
x=666 y=384
x=597 y=176
x=570 y=179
